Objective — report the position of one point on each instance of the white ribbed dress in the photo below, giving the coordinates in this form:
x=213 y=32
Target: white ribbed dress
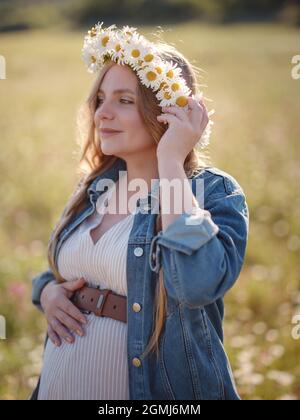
x=95 y=366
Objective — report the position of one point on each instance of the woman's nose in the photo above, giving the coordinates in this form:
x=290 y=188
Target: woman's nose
x=104 y=111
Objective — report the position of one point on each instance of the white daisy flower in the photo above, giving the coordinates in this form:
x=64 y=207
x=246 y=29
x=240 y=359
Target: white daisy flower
x=105 y=41
x=174 y=93
x=172 y=70
x=94 y=47
x=117 y=52
x=134 y=50
x=125 y=36
x=165 y=97
x=90 y=42
x=147 y=60
x=128 y=31
x=90 y=58
x=182 y=96
x=176 y=85
x=150 y=76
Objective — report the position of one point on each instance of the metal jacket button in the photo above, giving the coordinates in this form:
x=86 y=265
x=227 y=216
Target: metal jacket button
x=136 y=307
x=136 y=362
x=138 y=251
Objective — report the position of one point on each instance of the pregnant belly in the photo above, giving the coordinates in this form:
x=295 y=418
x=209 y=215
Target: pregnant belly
x=94 y=367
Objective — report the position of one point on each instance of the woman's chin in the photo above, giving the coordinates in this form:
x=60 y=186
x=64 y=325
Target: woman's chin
x=109 y=149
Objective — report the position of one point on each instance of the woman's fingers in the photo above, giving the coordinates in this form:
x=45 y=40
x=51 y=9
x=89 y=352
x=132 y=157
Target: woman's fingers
x=175 y=110
x=168 y=118
x=72 y=286
x=69 y=322
x=53 y=336
x=198 y=112
x=61 y=331
x=68 y=307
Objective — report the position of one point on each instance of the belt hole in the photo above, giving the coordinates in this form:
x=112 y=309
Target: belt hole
x=92 y=300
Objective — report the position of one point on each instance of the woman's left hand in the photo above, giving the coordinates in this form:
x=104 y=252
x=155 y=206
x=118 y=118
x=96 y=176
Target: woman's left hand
x=184 y=131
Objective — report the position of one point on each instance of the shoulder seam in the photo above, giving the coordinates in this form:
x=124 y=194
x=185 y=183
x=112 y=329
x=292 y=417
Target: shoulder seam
x=229 y=182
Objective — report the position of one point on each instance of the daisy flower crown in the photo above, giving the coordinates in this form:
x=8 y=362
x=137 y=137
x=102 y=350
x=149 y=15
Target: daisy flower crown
x=126 y=46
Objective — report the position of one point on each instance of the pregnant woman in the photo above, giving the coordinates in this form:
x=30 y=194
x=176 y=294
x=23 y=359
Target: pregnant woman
x=133 y=294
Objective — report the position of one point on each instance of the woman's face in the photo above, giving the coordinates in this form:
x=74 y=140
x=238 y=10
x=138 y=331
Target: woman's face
x=119 y=111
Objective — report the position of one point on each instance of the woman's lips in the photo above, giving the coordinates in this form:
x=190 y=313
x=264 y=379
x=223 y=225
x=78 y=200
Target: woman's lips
x=108 y=134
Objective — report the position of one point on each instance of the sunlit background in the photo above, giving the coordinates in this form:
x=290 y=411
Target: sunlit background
x=245 y=49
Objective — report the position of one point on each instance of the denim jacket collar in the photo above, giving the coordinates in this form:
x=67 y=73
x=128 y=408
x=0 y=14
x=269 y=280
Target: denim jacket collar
x=113 y=174
x=110 y=173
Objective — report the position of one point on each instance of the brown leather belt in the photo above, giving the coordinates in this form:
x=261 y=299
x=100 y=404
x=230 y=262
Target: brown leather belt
x=102 y=302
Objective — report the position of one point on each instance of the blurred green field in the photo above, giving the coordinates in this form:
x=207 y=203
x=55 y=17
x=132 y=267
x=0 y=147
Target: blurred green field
x=247 y=70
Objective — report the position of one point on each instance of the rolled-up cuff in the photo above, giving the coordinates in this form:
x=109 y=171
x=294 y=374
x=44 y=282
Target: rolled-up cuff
x=188 y=233
x=38 y=284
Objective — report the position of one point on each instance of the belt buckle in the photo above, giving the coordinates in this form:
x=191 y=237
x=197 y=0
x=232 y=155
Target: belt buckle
x=101 y=301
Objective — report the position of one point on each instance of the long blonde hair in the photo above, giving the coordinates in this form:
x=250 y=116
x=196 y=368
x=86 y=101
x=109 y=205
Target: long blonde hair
x=93 y=162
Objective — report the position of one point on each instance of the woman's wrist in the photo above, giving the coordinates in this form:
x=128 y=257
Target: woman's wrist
x=42 y=298
x=164 y=157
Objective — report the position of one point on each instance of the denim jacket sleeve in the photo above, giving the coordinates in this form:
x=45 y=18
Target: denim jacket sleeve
x=202 y=254
x=42 y=279
x=38 y=283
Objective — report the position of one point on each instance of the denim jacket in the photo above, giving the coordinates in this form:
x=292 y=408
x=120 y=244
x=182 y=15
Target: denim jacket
x=201 y=262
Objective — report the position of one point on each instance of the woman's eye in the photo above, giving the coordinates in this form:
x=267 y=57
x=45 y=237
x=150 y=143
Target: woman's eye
x=125 y=101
